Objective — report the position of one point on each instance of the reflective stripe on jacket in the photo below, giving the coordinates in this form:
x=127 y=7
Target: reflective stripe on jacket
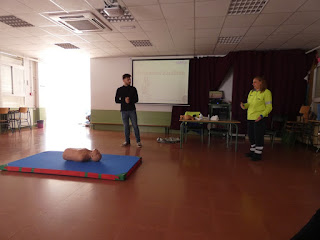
x=259 y=103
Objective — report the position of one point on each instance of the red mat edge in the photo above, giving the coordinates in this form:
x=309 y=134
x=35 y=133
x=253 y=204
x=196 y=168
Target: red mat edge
x=71 y=173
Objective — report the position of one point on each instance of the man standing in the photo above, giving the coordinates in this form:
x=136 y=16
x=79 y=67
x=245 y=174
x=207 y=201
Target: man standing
x=127 y=95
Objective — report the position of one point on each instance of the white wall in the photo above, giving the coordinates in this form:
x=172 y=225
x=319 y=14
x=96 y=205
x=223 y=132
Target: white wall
x=106 y=77
x=226 y=86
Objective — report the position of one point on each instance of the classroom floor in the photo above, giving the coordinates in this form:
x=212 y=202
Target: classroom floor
x=200 y=192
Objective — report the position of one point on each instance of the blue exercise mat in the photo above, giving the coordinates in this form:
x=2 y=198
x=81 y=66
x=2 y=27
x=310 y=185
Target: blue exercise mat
x=113 y=167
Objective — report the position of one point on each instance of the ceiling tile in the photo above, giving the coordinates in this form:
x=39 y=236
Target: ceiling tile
x=312 y=45
x=85 y=45
x=204 y=33
x=314 y=28
x=159 y=36
x=155 y=25
x=136 y=36
x=132 y=50
x=4 y=26
x=289 y=29
x=73 y=5
x=179 y=44
x=122 y=44
x=222 y=49
x=97 y=4
x=268 y=46
x=13 y=32
x=41 y=6
x=206 y=41
x=207 y=48
x=11 y=41
x=271 y=19
x=209 y=22
x=306 y=18
x=73 y=39
x=14 y=7
x=253 y=39
x=150 y=12
x=3 y=13
x=212 y=8
x=246 y=46
x=103 y=44
x=311 y=5
x=34 y=31
x=57 y=30
x=239 y=21
x=276 y=6
x=186 y=35
x=113 y=36
x=233 y=32
x=292 y=45
x=131 y=3
x=113 y=51
x=181 y=24
x=127 y=27
x=51 y=39
x=95 y=37
x=262 y=30
x=178 y=10
x=174 y=1
x=36 y=19
x=164 y=45
x=280 y=37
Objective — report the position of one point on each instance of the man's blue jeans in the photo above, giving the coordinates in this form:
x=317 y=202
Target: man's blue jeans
x=134 y=121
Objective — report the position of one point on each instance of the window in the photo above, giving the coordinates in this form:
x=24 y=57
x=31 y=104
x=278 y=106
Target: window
x=6 y=80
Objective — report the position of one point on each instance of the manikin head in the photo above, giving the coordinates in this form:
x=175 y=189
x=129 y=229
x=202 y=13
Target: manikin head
x=95 y=155
x=126 y=79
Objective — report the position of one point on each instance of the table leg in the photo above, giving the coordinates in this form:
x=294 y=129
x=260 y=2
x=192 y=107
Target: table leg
x=228 y=126
x=236 y=147
x=181 y=133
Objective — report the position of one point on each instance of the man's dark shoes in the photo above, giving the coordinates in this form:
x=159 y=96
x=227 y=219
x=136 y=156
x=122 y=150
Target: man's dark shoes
x=256 y=157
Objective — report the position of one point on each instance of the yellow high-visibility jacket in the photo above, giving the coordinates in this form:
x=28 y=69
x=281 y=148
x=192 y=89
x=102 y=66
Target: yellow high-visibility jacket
x=258 y=103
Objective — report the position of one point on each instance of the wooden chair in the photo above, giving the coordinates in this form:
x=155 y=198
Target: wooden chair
x=5 y=119
x=278 y=124
x=24 y=116
x=305 y=111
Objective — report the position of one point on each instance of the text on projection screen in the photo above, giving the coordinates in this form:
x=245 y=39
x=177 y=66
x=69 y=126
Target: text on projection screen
x=161 y=81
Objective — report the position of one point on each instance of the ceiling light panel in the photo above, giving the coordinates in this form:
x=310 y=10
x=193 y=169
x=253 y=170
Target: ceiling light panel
x=141 y=43
x=13 y=21
x=241 y=7
x=229 y=40
x=67 y=45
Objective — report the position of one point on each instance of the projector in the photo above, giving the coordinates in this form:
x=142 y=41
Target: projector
x=113 y=11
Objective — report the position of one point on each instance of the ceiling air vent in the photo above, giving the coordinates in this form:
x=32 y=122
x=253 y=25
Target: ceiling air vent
x=141 y=43
x=229 y=40
x=241 y=7
x=67 y=45
x=80 y=22
x=13 y=21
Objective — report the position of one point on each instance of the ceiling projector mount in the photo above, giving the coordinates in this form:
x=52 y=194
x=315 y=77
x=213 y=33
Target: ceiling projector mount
x=113 y=9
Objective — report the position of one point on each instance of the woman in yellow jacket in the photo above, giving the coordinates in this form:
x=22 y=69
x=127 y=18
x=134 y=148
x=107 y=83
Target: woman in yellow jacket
x=259 y=105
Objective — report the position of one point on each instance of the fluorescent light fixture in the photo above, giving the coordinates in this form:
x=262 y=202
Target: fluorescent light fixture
x=229 y=40
x=242 y=7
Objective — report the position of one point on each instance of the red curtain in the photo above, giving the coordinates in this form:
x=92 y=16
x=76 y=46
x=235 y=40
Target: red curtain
x=284 y=72
x=204 y=74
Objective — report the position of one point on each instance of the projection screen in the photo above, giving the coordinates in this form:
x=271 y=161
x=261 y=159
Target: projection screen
x=161 y=81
